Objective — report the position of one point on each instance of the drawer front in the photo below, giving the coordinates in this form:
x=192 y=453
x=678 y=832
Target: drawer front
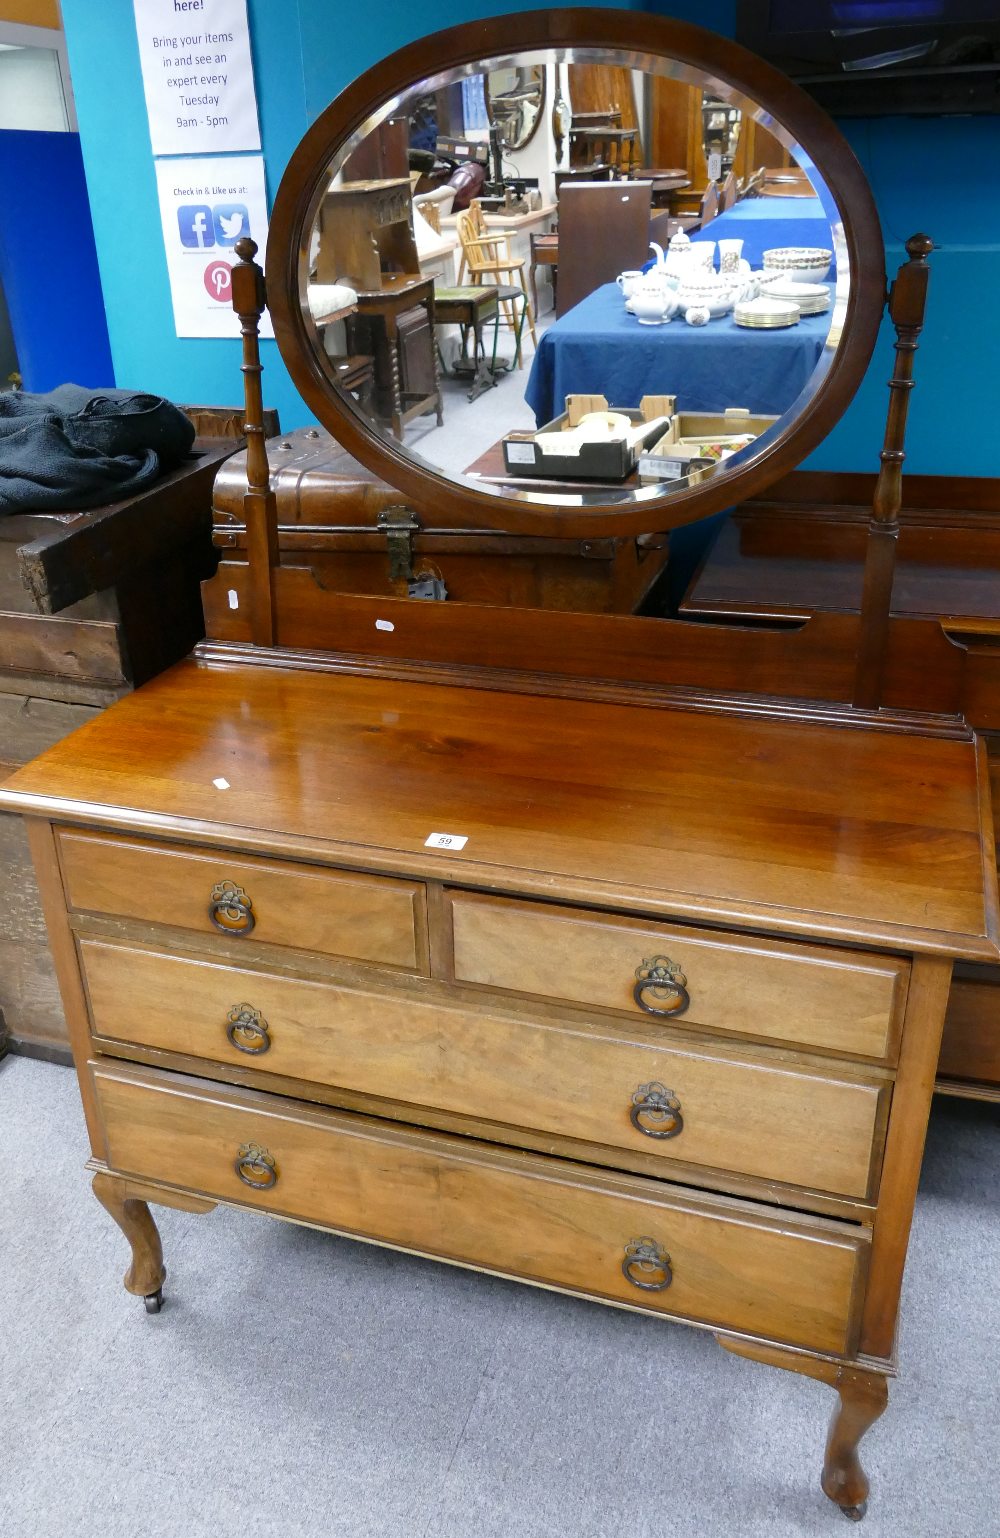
x=546 y=1220
x=970 y=1048
x=368 y=918
x=603 y=1084
x=838 y=1000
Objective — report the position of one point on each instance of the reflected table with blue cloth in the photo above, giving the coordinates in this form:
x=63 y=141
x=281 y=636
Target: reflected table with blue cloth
x=598 y=348
x=766 y=223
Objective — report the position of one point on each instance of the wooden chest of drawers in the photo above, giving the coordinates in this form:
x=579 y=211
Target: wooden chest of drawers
x=434 y=968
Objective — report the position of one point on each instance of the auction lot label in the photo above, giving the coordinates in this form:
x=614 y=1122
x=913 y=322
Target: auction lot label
x=198 y=75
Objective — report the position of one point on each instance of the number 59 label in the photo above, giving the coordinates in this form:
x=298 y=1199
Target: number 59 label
x=446 y=841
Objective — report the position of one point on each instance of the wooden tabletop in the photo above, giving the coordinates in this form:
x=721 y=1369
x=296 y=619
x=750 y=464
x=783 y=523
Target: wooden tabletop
x=881 y=837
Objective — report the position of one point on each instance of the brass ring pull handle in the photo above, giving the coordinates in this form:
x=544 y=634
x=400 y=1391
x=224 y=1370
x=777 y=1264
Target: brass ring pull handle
x=248 y=1030
x=647 y=1265
x=256 y=1167
x=231 y=909
x=663 y=980
x=656 y=1111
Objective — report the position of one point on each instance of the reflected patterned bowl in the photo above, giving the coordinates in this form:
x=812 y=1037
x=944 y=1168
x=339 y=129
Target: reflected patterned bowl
x=800 y=264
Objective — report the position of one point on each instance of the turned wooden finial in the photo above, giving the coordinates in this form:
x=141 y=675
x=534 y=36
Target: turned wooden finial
x=918 y=247
x=260 y=508
x=907 y=300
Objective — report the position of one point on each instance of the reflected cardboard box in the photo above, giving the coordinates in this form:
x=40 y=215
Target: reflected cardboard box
x=696 y=442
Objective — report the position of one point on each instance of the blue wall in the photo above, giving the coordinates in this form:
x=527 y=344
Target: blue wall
x=931 y=175
x=48 y=264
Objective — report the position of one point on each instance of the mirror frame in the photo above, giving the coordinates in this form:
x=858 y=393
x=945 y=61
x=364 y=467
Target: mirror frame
x=646 y=36
x=513 y=148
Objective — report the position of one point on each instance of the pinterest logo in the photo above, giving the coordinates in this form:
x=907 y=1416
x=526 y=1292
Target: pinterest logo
x=219 y=281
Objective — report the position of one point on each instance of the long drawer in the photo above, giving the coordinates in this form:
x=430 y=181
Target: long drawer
x=618 y=1084
x=340 y=913
x=844 y=1001
x=736 y=1265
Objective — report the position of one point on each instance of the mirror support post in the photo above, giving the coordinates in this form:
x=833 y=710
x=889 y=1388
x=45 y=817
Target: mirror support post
x=907 y=299
x=259 y=504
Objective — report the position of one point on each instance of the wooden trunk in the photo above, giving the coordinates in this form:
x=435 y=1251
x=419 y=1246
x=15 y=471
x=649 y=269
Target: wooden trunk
x=335 y=519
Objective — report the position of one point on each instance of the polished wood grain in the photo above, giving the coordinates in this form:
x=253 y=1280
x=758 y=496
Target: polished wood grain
x=839 y=1000
x=734 y=1264
x=861 y=835
x=753 y=1116
x=811 y=661
x=338 y=913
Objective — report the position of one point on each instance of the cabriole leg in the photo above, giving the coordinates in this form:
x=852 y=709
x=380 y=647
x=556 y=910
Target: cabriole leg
x=863 y=1397
x=864 y=1394
x=145 y=1276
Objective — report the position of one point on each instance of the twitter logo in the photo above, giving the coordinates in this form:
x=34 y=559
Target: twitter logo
x=232 y=222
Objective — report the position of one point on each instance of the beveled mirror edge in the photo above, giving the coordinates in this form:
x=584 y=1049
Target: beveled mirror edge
x=470 y=42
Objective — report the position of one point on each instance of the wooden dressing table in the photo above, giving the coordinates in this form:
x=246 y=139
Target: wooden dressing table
x=601 y=952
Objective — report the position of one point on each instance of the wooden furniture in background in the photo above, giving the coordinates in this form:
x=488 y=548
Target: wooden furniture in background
x=545 y=253
x=602 y=95
x=92 y=604
x=394 y=325
x=603 y=230
x=487 y=259
x=366 y=230
x=383 y=155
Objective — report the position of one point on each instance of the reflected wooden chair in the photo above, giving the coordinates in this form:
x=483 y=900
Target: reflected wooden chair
x=487 y=259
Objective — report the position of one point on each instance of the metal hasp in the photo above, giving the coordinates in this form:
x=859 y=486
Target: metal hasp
x=399 y=524
x=907 y=301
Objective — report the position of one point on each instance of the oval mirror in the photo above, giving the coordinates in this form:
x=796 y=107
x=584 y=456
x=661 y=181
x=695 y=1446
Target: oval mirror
x=514 y=100
x=601 y=339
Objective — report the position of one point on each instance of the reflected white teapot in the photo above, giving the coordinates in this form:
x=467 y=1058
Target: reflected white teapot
x=653 y=300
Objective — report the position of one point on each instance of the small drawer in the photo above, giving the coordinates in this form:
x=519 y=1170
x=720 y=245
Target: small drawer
x=311 y=908
x=617 y=1085
x=970 y=1048
x=843 y=1001
x=624 y=1239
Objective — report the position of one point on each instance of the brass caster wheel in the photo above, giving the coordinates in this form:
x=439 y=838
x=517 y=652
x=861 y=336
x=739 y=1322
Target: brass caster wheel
x=855 y=1513
x=154 y=1301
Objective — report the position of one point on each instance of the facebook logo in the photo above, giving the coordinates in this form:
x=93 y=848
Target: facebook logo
x=232 y=222
x=195 y=223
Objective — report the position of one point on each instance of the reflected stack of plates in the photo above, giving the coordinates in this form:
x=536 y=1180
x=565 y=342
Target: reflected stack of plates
x=811 y=298
x=766 y=314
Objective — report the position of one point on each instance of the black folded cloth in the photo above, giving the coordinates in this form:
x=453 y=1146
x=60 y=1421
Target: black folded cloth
x=76 y=447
